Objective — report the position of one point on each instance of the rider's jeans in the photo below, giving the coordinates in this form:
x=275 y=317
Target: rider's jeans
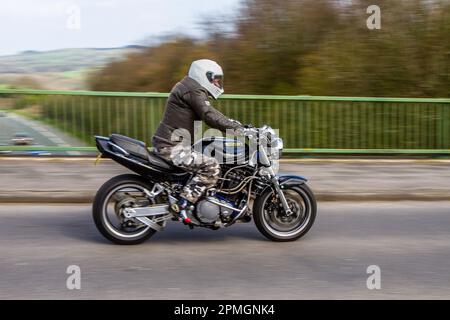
x=206 y=170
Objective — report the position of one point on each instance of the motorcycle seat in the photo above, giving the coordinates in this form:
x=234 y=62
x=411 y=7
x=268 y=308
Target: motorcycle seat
x=138 y=149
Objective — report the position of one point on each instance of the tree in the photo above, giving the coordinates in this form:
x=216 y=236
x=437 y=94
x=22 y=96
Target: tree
x=317 y=47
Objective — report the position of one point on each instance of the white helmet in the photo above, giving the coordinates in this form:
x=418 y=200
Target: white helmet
x=209 y=75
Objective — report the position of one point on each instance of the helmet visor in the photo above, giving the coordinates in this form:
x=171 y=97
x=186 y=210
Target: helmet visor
x=216 y=80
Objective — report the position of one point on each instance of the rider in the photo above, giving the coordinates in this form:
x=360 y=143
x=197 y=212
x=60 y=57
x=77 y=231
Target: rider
x=188 y=101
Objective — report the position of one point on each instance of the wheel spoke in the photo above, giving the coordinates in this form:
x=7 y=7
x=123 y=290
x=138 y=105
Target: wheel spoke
x=276 y=218
x=120 y=198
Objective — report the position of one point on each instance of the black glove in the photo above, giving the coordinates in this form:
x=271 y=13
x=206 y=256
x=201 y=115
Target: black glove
x=239 y=131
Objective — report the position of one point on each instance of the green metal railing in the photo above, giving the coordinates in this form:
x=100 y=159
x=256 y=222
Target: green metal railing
x=306 y=123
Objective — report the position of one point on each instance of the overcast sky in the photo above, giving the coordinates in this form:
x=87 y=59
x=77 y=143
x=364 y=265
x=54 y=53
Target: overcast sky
x=55 y=24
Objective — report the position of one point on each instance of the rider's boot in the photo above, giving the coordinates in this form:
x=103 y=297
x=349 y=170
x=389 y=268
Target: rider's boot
x=183 y=207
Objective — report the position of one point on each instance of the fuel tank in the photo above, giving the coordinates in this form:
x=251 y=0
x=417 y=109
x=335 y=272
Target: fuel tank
x=225 y=150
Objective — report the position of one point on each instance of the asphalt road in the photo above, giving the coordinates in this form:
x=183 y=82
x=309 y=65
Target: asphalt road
x=12 y=124
x=409 y=241
x=42 y=134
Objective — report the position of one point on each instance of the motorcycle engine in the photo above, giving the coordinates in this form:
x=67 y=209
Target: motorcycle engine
x=234 y=178
x=208 y=212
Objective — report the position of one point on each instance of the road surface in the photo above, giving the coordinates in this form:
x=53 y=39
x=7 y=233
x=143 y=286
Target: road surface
x=408 y=241
x=42 y=134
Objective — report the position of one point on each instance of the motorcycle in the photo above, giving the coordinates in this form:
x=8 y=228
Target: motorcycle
x=130 y=208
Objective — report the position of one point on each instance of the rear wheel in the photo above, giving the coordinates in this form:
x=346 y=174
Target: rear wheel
x=272 y=220
x=117 y=194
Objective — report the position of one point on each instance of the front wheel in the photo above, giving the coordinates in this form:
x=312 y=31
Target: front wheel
x=272 y=220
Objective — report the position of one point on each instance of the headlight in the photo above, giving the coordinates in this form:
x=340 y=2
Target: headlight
x=270 y=131
x=267 y=134
x=277 y=144
x=276 y=148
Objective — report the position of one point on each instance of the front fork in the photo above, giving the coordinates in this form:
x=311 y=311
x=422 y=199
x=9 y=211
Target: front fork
x=276 y=185
x=274 y=179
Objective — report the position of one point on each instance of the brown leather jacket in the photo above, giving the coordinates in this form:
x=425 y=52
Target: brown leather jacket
x=188 y=101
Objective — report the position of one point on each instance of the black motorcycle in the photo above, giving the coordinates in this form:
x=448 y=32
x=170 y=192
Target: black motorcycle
x=130 y=208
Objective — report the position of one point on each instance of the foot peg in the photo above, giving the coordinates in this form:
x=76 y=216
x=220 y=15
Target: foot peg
x=245 y=219
x=181 y=209
x=187 y=220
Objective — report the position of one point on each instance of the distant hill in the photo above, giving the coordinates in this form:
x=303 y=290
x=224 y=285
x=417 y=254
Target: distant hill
x=57 y=69
x=61 y=60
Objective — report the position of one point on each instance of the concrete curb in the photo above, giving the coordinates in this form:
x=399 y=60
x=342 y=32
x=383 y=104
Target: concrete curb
x=92 y=160
x=76 y=180
x=36 y=197
x=56 y=196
